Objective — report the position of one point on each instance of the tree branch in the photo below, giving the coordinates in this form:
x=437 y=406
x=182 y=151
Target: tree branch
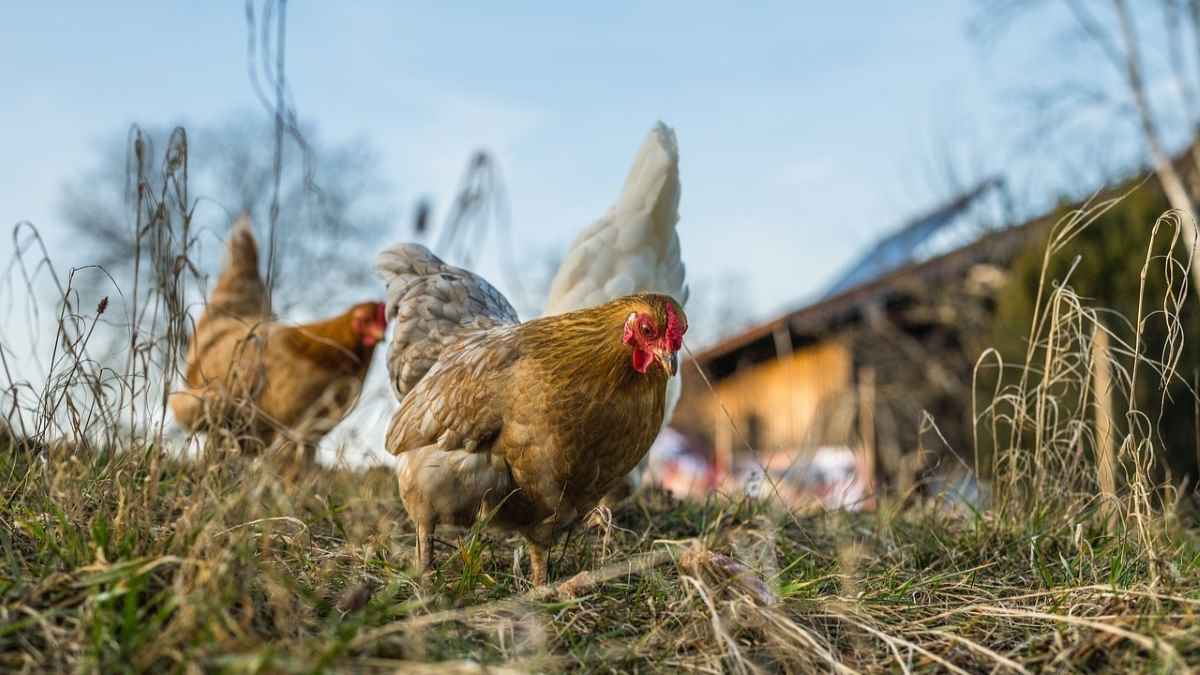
x=1172 y=184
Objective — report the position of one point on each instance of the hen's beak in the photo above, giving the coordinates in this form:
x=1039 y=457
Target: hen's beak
x=669 y=360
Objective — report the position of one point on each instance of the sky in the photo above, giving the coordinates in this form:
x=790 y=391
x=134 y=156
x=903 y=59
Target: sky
x=805 y=131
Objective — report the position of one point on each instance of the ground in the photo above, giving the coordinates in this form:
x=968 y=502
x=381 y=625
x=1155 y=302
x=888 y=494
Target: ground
x=133 y=561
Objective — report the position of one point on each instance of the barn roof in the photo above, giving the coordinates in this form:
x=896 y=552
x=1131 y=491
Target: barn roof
x=895 y=263
x=847 y=305
x=919 y=238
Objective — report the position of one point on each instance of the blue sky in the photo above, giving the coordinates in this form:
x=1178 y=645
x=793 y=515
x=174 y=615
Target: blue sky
x=806 y=129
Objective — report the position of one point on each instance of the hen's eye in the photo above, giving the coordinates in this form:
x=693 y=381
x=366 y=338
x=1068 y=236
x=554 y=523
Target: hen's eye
x=647 y=330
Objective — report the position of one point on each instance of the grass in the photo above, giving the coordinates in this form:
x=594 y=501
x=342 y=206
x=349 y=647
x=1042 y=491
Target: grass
x=116 y=555
x=135 y=561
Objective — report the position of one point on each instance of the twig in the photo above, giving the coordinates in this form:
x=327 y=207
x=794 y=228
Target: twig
x=571 y=587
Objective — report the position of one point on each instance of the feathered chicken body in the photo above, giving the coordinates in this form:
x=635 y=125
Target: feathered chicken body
x=262 y=382
x=531 y=423
x=634 y=248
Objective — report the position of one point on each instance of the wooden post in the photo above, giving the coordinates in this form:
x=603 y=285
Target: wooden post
x=866 y=427
x=1106 y=458
x=783 y=355
x=723 y=447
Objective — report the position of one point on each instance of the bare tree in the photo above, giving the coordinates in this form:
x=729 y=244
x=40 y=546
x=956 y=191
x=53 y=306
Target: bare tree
x=1141 y=58
x=334 y=207
x=717 y=309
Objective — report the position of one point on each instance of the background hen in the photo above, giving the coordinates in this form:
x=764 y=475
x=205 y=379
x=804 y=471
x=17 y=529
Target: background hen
x=263 y=382
x=529 y=423
x=634 y=248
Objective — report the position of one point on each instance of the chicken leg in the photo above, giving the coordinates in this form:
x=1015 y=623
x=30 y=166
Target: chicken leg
x=425 y=545
x=538 y=568
x=541 y=538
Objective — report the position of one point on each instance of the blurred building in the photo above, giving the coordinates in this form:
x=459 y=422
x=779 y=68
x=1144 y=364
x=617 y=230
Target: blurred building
x=856 y=369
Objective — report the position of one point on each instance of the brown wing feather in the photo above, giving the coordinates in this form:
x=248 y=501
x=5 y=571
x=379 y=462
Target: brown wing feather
x=458 y=404
x=218 y=346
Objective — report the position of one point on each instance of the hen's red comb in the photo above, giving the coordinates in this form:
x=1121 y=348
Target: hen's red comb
x=675 y=329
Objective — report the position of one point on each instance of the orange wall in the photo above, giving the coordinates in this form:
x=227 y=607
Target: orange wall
x=799 y=401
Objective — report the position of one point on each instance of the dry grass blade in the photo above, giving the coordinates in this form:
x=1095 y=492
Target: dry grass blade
x=1146 y=642
x=572 y=587
x=121 y=552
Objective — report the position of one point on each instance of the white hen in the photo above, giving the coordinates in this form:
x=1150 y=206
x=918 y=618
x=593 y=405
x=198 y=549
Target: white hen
x=634 y=248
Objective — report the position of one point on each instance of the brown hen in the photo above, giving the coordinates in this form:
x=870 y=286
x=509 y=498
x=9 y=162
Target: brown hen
x=264 y=384
x=528 y=424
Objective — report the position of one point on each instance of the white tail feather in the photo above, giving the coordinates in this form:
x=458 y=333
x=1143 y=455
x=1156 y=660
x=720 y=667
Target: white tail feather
x=634 y=248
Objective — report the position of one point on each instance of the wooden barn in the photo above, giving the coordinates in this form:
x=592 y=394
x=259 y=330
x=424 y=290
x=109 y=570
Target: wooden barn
x=857 y=367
